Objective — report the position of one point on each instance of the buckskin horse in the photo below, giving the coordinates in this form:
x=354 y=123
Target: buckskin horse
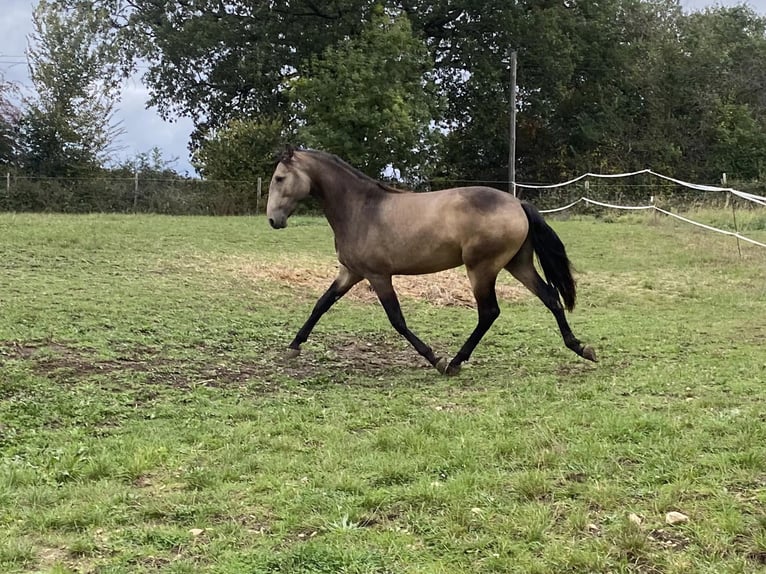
x=381 y=231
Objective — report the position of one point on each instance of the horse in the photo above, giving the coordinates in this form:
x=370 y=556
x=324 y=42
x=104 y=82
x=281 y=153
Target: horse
x=381 y=231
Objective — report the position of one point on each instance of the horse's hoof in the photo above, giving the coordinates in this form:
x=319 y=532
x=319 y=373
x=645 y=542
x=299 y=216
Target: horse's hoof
x=292 y=353
x=452 y=370
x=442 y=365
x=589 y=353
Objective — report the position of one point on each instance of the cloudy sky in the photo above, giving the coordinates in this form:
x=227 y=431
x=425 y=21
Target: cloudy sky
x=144 y=129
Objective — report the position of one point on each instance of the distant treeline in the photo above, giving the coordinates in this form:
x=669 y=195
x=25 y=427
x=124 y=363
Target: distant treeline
x=412 y=88
x=177 y=195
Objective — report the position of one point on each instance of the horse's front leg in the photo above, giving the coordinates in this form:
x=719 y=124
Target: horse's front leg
x=385 y=291
x=343 y=282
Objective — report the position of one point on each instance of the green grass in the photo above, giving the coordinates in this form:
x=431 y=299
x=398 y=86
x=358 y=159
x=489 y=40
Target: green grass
x=148 y=422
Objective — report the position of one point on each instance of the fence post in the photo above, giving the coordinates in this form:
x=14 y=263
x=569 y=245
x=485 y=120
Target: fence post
x=135 y=191
x=258 y=196
x=512 y=131
x=736 y=227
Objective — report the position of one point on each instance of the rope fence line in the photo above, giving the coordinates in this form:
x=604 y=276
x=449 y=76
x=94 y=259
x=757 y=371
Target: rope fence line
x=758 y=199
x=655 y=208
x=696 y=186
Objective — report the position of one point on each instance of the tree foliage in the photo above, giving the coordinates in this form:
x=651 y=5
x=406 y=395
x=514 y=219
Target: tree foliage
x=369 y=100
x=67 y=127
x=241 y=150
x=220 y=61
x=603 y=84
x=10 y=118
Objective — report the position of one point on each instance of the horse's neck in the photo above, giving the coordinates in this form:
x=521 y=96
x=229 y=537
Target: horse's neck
x=345 y=199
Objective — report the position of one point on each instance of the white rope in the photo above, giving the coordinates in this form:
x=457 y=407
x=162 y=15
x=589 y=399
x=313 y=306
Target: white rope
x=759 y=199
x=638 y=207
x=593 y=201
x=750 y=196
x=562 y=208
x=710 y=228
x=583 y=176
x=699 y=187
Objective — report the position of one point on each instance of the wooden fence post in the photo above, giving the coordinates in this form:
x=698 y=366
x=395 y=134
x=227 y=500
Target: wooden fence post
x=135 y=191
x=258 y=196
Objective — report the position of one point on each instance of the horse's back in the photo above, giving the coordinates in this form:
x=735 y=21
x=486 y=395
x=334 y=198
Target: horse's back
x=446 y=228
x=484 y=213
x=472 y=201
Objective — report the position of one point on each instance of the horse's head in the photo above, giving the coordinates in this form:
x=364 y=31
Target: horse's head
x=288 y=186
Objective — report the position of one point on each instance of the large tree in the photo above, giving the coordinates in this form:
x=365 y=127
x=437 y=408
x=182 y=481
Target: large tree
x=242 y=150
x=219 y=61
x=723 y=82
x=369 y=99
x=68 y=127
x=603 y=84
x=10 y=118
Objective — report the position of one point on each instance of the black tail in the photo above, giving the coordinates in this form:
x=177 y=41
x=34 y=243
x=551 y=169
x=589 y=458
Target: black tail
x=552 y=256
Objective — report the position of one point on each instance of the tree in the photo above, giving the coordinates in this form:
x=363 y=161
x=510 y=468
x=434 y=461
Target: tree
x=68 y=127
x=151 y=164
x=219 y=61
x=369 y=100
x=10 y=117
x=603 y=84
x=242 y=150
x=724 y=76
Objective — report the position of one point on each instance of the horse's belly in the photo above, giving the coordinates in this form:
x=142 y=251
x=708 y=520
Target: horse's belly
x=387 y=258
x=426 y=260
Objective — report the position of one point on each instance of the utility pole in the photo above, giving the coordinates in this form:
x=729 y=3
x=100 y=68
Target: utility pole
x=512 y=141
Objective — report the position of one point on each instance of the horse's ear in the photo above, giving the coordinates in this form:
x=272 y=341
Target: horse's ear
x=287 y=154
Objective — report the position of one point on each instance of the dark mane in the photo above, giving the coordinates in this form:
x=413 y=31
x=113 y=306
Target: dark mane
x=334 y=159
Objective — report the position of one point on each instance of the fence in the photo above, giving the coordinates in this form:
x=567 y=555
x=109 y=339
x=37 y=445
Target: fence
x=173 y=196
x=180 y=196
x=713 y=195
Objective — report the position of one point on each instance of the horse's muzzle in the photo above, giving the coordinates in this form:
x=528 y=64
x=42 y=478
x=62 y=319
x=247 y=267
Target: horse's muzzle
x=277 y=224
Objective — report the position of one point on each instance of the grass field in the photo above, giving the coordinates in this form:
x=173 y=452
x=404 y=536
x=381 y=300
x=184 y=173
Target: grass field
x=148 y=422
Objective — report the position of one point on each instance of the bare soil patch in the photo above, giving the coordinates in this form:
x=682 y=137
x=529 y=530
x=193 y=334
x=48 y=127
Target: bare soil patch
x=343 y=357
x=346 y=357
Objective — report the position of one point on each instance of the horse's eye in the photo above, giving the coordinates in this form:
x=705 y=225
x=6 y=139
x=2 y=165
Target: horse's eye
x=279 y=178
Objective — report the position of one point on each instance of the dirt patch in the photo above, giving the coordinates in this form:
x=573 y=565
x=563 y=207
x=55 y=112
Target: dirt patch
x=449 y=288
x=669 y=539
x=67 y=363
x=49 y=556
x=373 y=357
x=345 y=357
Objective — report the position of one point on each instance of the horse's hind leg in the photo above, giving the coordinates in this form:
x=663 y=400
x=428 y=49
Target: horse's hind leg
x=385 y=291
x=523 y=269
x=483 y=285
x=343 y=282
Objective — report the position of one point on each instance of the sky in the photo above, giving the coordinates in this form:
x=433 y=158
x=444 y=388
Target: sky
x=144 y=129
